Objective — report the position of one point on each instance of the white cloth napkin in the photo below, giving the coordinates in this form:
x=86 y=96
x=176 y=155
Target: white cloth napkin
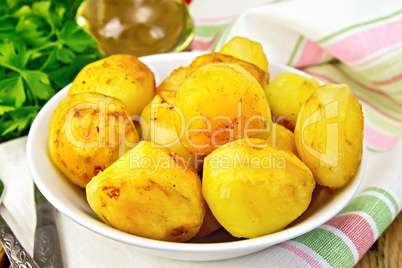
x=84 y=248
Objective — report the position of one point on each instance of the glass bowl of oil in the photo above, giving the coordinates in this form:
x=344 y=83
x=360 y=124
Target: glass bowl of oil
x=138 y=27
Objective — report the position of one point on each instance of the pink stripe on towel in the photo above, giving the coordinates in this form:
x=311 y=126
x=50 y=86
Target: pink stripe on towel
x=365 y=43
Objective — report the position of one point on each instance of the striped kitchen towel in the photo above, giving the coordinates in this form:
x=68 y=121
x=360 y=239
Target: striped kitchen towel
x=340 y=41
x=343 y=240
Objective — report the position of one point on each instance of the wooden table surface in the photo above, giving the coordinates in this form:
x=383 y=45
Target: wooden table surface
x=385 y=253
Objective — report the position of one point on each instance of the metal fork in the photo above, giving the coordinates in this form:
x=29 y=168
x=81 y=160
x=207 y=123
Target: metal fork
x=16 y=253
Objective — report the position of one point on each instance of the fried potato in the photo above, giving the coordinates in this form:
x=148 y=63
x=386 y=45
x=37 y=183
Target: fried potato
x=282 y=137
x=121 y=76
x=247 y=50
x=218 y=103
x=173 y=81
x=286 y=94
x=216 y=57
x=254 y=189
x=159 y=126
x=149 y=192
x=329 y=135
x=87 y=133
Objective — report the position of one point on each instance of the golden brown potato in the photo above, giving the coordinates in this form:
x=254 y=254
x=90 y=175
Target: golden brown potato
x=286 y=94
x=173 y=81
x=254 y=189
x=121 y=76
x=247 y=50
x=159 y=126
x=321 y=195
x=216 y=57
x=149 y=192
x=282 y=137
x=329 y=134
x=218 y=103
x=168 y=96
x=87 y=133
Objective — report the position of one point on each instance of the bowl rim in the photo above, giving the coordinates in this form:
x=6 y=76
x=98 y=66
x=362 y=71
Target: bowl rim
x=97 y=226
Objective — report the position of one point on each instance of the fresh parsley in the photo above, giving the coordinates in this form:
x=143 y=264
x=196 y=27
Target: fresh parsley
x=41 y=51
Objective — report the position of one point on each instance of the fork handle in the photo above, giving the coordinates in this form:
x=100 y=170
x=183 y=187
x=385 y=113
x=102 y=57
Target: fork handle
x=16 y=253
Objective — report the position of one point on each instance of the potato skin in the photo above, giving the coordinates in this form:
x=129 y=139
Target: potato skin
x=139 y=195
x=173 y=81
x=286 y=94
x=282 y=138
x=218 y=103
x=254 y=189
x=329 y=134
x=247 y=50
x=121 y=76
x=159 y=126
x=87 y=133
x=216 y=57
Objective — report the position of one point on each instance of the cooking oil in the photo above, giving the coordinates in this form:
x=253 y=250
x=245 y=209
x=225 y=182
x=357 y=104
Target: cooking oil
x=138 y=27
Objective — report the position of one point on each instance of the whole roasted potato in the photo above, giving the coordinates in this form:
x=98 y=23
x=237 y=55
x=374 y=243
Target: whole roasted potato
x=149 y=192
x=247 y=50
x=216 y=57
x=218 y=103
x=121 y=76
x=282 y=137
x=329 y=134
x=286 y=94
x=254 y=189
x=87 y=133
x=159 y=126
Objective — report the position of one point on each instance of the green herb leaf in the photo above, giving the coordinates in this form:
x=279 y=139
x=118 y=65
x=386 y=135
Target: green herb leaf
x=4 y=109
x=6 y=26
x=74 y=37
x=42 y=9
x=12 y=55
x=23 y=11
x=17 y=121
x=12 y=91
x=64 y=76
x=39 y=84
x=42 y=49
x=65 y=55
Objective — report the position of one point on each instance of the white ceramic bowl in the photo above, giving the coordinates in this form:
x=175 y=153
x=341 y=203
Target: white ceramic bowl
x=71 y=200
